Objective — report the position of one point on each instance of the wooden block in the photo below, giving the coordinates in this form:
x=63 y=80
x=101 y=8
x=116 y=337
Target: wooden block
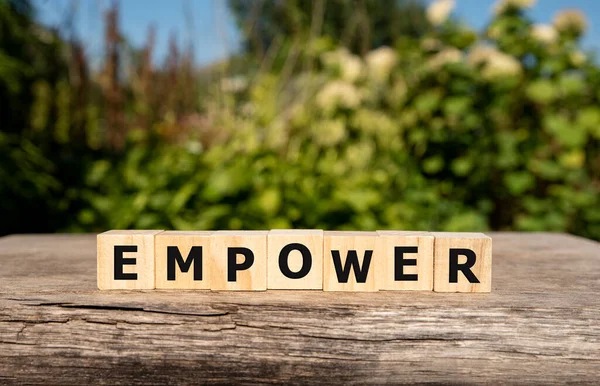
x=349 y=261
x=462 y=262
x=180 y=260
x=126 y=259
x=295 y=259
x=405 y=260
x=238 y=260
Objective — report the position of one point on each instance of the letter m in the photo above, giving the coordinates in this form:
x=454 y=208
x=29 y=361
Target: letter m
x=195 y=257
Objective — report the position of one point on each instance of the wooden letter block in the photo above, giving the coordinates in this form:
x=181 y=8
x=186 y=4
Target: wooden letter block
x=349 y=261
x=405 y=260
x=295 y=259
x=126 y=259
x=462 y=262
x=180 y=260
x=238 y=260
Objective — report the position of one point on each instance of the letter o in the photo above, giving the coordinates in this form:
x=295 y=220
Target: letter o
x=306 y=261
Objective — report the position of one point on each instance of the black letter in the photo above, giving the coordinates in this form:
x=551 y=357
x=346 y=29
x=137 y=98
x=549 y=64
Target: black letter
x=173 y=255
x=464 y=268
x=360 y=273
x=120 y=261
x=306 y=261
x=233 y=266
x=400 y=262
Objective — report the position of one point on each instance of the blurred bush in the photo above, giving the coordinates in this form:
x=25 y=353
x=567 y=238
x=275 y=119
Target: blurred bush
x=451 y=130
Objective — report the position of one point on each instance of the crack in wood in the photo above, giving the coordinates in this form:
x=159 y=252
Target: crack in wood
x=126 y=309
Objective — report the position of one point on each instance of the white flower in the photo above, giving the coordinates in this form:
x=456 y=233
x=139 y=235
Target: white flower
x=430 y=44
x=349 y=66
x=359 y=155
x=338 y=94
x=380 y=62
x=398 y=91
x=446 y=56
x=439 y=11
x=570 y=20
x=194 y=147
x=480 y=54
x=374 y=122
x=329 y=132
x=544 y=33
x=500 y=65
x=577 y=58
x=248 y=109
x=504 y=5
x=234 y=84
x=276 y=134
x=495 y=63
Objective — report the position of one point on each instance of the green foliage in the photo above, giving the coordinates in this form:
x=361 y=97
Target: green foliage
x=28 y=183
x=447 y=131
x=359 y=25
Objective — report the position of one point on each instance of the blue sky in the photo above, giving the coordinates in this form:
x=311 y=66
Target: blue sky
x=207 y=22
x=211 y=27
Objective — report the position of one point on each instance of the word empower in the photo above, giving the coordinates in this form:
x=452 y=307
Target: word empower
x=295 y=259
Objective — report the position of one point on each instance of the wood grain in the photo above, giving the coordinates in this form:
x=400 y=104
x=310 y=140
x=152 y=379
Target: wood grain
x=539 y=325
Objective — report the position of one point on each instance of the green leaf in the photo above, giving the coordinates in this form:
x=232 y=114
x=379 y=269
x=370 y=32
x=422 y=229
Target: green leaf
x=462 y=166
x=427 y=102
x=458 y=105
x=519 y=182
x=270 y=201
x=542 y=91
x=565 y=131
x=589 y=118
x=571 y=85
x=433 y=165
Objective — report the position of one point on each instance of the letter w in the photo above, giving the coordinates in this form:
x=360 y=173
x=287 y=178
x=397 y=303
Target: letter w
x=360 y=273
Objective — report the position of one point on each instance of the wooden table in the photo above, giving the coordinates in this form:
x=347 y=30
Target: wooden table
x=541 y=324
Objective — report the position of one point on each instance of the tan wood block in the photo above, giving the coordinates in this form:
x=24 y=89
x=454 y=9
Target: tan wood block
x=126 y=259
x=180 y=260
x=340 y=273
x=460 y=261
x=295 y=259
x=405 y=260
x=238 y=260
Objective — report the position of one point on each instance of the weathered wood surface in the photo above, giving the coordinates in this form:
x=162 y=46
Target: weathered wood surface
x=541 y=324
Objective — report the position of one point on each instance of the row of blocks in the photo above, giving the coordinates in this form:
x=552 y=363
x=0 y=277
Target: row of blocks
x=295 y=259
